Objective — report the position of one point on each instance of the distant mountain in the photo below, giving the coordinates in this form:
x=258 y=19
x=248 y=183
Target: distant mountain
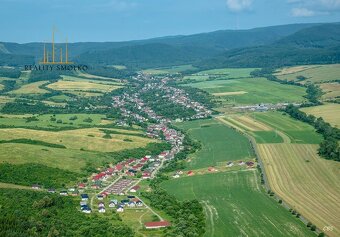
x=162 y=51
x=313 y=45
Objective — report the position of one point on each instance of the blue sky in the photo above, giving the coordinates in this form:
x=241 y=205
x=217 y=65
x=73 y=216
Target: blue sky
x=119 y=20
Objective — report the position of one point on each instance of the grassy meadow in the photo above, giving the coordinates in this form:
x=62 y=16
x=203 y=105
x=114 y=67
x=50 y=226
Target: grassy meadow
x=219 y=143
x=296 y=131
x=314 y=73
x=251 y=91
x=236 y=205
x=308 y=183
x=220 y=74
x=329 y=112
x=31 y=88
x=53 y=121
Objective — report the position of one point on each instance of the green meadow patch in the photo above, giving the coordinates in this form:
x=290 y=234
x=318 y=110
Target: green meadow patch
x=236 y=205
x=219 y=143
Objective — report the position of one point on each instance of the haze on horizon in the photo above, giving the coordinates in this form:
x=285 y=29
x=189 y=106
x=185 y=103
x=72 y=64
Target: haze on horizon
x=25 y=21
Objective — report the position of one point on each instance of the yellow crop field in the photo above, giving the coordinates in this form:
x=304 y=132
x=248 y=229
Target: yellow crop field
x=87 y=139
x=248 y=123
x=331 y=90
x=329 y=112
x=31 y=88
x=81 y=86
x=308 y=183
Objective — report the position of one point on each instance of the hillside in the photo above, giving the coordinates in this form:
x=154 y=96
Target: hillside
x=314 y=45
x=171 y=50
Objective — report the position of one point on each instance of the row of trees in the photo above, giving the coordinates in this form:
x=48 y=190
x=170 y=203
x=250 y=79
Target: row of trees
x=329 y=147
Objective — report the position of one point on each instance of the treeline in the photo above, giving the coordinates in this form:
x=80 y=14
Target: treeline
x=8 y=85
x=42 y=75
x=10 y=72
x=329 y=147
x=189 y=219
x=111 y=72
x=33 y=142
x=28 y=174
x=29 y=213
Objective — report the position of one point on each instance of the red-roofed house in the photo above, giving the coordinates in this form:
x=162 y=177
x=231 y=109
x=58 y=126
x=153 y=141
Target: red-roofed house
x=190 y=173
x=146 y=175
x=156 y=224
x=119 y=167
x=81 y=185
x=135 y=189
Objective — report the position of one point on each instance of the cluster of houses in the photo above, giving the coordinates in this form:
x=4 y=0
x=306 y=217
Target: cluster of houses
x=249 y=164
x=263 y=107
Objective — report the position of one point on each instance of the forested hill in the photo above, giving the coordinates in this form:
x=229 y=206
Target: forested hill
x=315 y=45
x=177 y=49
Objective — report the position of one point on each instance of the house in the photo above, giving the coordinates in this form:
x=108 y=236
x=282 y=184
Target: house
x=86 y=209
x=100 y=197
x=81 y=186
x=190 y=173
x=101 y=209
x=120 y=209
x=130 y=196
x=101 y=204
x=230 y=164
x=146 y=175
x=211 y=169
x=51 y=190
x=156 y=224
x=36 y=186
x=84 y=197
x=132 y=204
x=75 y=193
x=63 y=193
x=241 y=162
x=71 y=189
x=118 y=167
x=134 y=189
x=82 y=203
x=112 y=204
x=250 y=164
x=175 y=176
x=139 y=203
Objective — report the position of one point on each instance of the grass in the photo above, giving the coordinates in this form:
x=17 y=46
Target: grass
x=267 y=137
x=85 y=86
x=219 y=143
x=316 y=73
x=236 y=205
x=44 y=121
x=218 y=74
x=166 y=70
x=90 y=139
x=297 y=131
x=330 y=90
x=305 y=181
x=258 y=90
x=329 y=112
x=31 y=88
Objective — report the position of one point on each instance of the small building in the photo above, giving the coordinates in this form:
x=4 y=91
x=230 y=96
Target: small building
x=112 y=204
x=101 y=209
x=63 y=193
x=51 y=190
x=36 y=186
x=100 y=197
x=86 y=209
x=81 y=186
x=101 y=204
x=120 y=209
x=230 y=164
x=84 y=197
x=190 y=173
x=156 y=224
x=134 y=189
x=132 y=204
x=241 y=162
x=250 y=164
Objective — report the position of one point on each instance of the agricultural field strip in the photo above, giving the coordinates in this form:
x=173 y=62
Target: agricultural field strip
x=313 y=198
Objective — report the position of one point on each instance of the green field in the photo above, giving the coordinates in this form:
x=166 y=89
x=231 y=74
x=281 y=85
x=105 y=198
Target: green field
x=50 y=121
x=251 y=91
x=316 y=74
x=267 y=137
x=236 y=205
x=297 y=131
x=219 y=143
x=220 y=74
x=166 y=70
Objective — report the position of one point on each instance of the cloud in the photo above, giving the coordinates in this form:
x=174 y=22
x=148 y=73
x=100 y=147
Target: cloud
x=239 y=5
x=302 y=12
x=307 y=8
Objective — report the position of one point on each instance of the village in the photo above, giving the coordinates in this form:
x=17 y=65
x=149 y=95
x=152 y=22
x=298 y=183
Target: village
x=117 y=188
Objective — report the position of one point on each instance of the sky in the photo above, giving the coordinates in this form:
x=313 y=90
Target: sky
x=120 y=20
